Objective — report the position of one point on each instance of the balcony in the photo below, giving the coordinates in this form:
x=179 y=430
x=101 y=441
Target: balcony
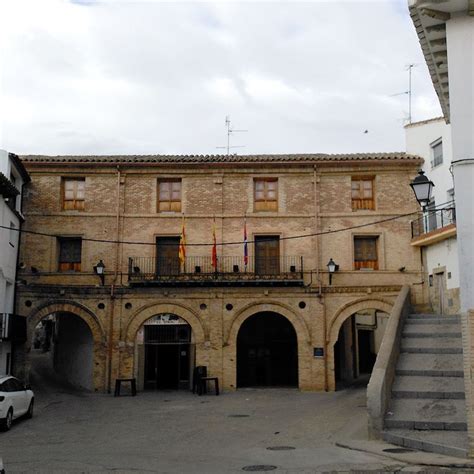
x=230 y=271
x=433 y=227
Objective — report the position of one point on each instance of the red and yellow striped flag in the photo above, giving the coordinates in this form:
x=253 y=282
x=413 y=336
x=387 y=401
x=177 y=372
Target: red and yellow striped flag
x=214 y=246
x=182 y=245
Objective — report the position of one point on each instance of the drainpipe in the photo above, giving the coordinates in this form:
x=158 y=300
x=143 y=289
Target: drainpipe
x=112 y=286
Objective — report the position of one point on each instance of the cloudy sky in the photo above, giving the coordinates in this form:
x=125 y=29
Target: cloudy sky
x=151 y=77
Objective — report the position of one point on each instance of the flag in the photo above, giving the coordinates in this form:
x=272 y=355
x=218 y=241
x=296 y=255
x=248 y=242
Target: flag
x=246 y=250
x=182 y=245
x=214 y=246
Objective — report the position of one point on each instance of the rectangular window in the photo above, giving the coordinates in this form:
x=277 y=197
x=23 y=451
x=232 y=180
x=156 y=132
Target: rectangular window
x=70 y=254
x=450 y=195
x=365 y=253
x=266 y=194
x=437 y=153
x=169 y=195
x=74 y=194
x=362 y=193
x=267 y=255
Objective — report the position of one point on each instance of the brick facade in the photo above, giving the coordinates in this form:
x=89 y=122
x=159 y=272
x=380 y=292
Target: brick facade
x=314 y=196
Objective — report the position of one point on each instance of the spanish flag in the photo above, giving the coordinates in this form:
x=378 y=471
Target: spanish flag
x=182 y=245
x=246 y=250
x=214 y=246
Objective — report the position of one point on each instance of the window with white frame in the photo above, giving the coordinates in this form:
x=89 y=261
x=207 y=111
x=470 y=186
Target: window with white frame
x=450 y=195
x=436 y=153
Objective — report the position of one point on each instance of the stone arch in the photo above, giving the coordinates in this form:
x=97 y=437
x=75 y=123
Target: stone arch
x=93 y=323
x=352 y=307
x=301 y=328
x=303 y=337
x=66 y=306
x=128 y=356
x=200 y=332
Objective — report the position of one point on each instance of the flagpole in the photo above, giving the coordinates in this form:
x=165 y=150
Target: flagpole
x=182 y=245
x=246 y=252
x=214 y=247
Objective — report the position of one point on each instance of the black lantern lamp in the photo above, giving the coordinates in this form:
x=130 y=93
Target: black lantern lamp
x=422 y=188
x=332 y=267
x=99 y=269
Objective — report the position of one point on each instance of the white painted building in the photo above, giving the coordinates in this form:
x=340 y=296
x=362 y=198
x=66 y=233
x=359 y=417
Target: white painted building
x=12 y=178
x=435 y=232
x=446 y=33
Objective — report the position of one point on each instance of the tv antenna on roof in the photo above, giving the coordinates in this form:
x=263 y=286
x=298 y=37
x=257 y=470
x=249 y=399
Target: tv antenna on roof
x=230 y=131
x=408 y=92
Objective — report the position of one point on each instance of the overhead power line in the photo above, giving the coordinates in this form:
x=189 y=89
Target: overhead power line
x=240 y=242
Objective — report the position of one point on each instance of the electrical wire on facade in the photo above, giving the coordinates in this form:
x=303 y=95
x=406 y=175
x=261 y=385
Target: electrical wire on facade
x=240 y=242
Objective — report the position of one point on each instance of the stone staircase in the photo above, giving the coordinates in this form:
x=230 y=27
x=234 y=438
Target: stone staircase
x=427 y=410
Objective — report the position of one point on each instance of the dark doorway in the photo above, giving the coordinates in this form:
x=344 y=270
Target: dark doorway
x=62 y=353
x=344 y=358
x=167 y=256
x=267 y=352
x=167 y=356
x=366 y=355
x=267 y=255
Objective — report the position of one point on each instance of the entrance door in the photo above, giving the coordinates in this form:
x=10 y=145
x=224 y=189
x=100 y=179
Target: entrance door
x=167 y=356
x=440 y=285
x=267 y=352
x=267 y=255
x=366 y=356
x=167 y=256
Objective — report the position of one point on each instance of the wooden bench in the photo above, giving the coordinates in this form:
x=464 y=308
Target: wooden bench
x=118 y=385
x=202 y=386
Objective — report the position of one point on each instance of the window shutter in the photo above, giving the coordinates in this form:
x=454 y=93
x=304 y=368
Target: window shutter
x=365 y=249
x=70 y=251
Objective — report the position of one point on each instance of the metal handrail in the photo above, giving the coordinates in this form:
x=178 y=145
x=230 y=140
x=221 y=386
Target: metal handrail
x=228 y=267
x=433 y=220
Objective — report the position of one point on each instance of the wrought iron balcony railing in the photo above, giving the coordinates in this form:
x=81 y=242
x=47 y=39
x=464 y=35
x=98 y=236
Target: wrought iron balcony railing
x=229 y=270
x=433 y=220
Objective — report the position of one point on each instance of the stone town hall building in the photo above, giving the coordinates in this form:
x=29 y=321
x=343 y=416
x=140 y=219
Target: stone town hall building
x=273 y=319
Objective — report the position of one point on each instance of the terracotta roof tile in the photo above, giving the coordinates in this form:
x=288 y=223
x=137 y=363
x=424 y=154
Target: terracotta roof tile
x=185 y=159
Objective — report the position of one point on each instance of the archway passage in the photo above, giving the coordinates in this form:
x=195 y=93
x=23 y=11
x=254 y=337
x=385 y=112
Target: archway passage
x=356 y=348
x=165 y=353
x=267 y=352
x=62 y=352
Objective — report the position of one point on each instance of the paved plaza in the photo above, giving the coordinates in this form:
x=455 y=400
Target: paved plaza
x=178 y=432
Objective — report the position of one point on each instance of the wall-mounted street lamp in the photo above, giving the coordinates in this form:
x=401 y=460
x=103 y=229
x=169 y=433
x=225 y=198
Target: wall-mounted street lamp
x=422 y=188
x=332 y=267
x=99 y=269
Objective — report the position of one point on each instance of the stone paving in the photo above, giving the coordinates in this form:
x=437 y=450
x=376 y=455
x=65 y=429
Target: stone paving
x=178 y=432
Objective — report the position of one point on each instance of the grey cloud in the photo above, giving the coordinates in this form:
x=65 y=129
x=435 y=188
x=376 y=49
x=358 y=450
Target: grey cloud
x=161 y=77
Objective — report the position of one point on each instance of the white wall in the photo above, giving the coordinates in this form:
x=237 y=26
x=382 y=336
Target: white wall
x=419 y=137
x=444 y=254
x=9 y=242
x=4 y=163
x=460 y=41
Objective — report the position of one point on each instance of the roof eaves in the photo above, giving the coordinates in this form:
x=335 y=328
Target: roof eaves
x=433 y=67
x=216 y=159
x=20 y=167
x=7 y=188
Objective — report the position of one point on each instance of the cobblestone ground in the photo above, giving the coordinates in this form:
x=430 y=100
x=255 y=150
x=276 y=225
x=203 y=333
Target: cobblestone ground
x=178 y=432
